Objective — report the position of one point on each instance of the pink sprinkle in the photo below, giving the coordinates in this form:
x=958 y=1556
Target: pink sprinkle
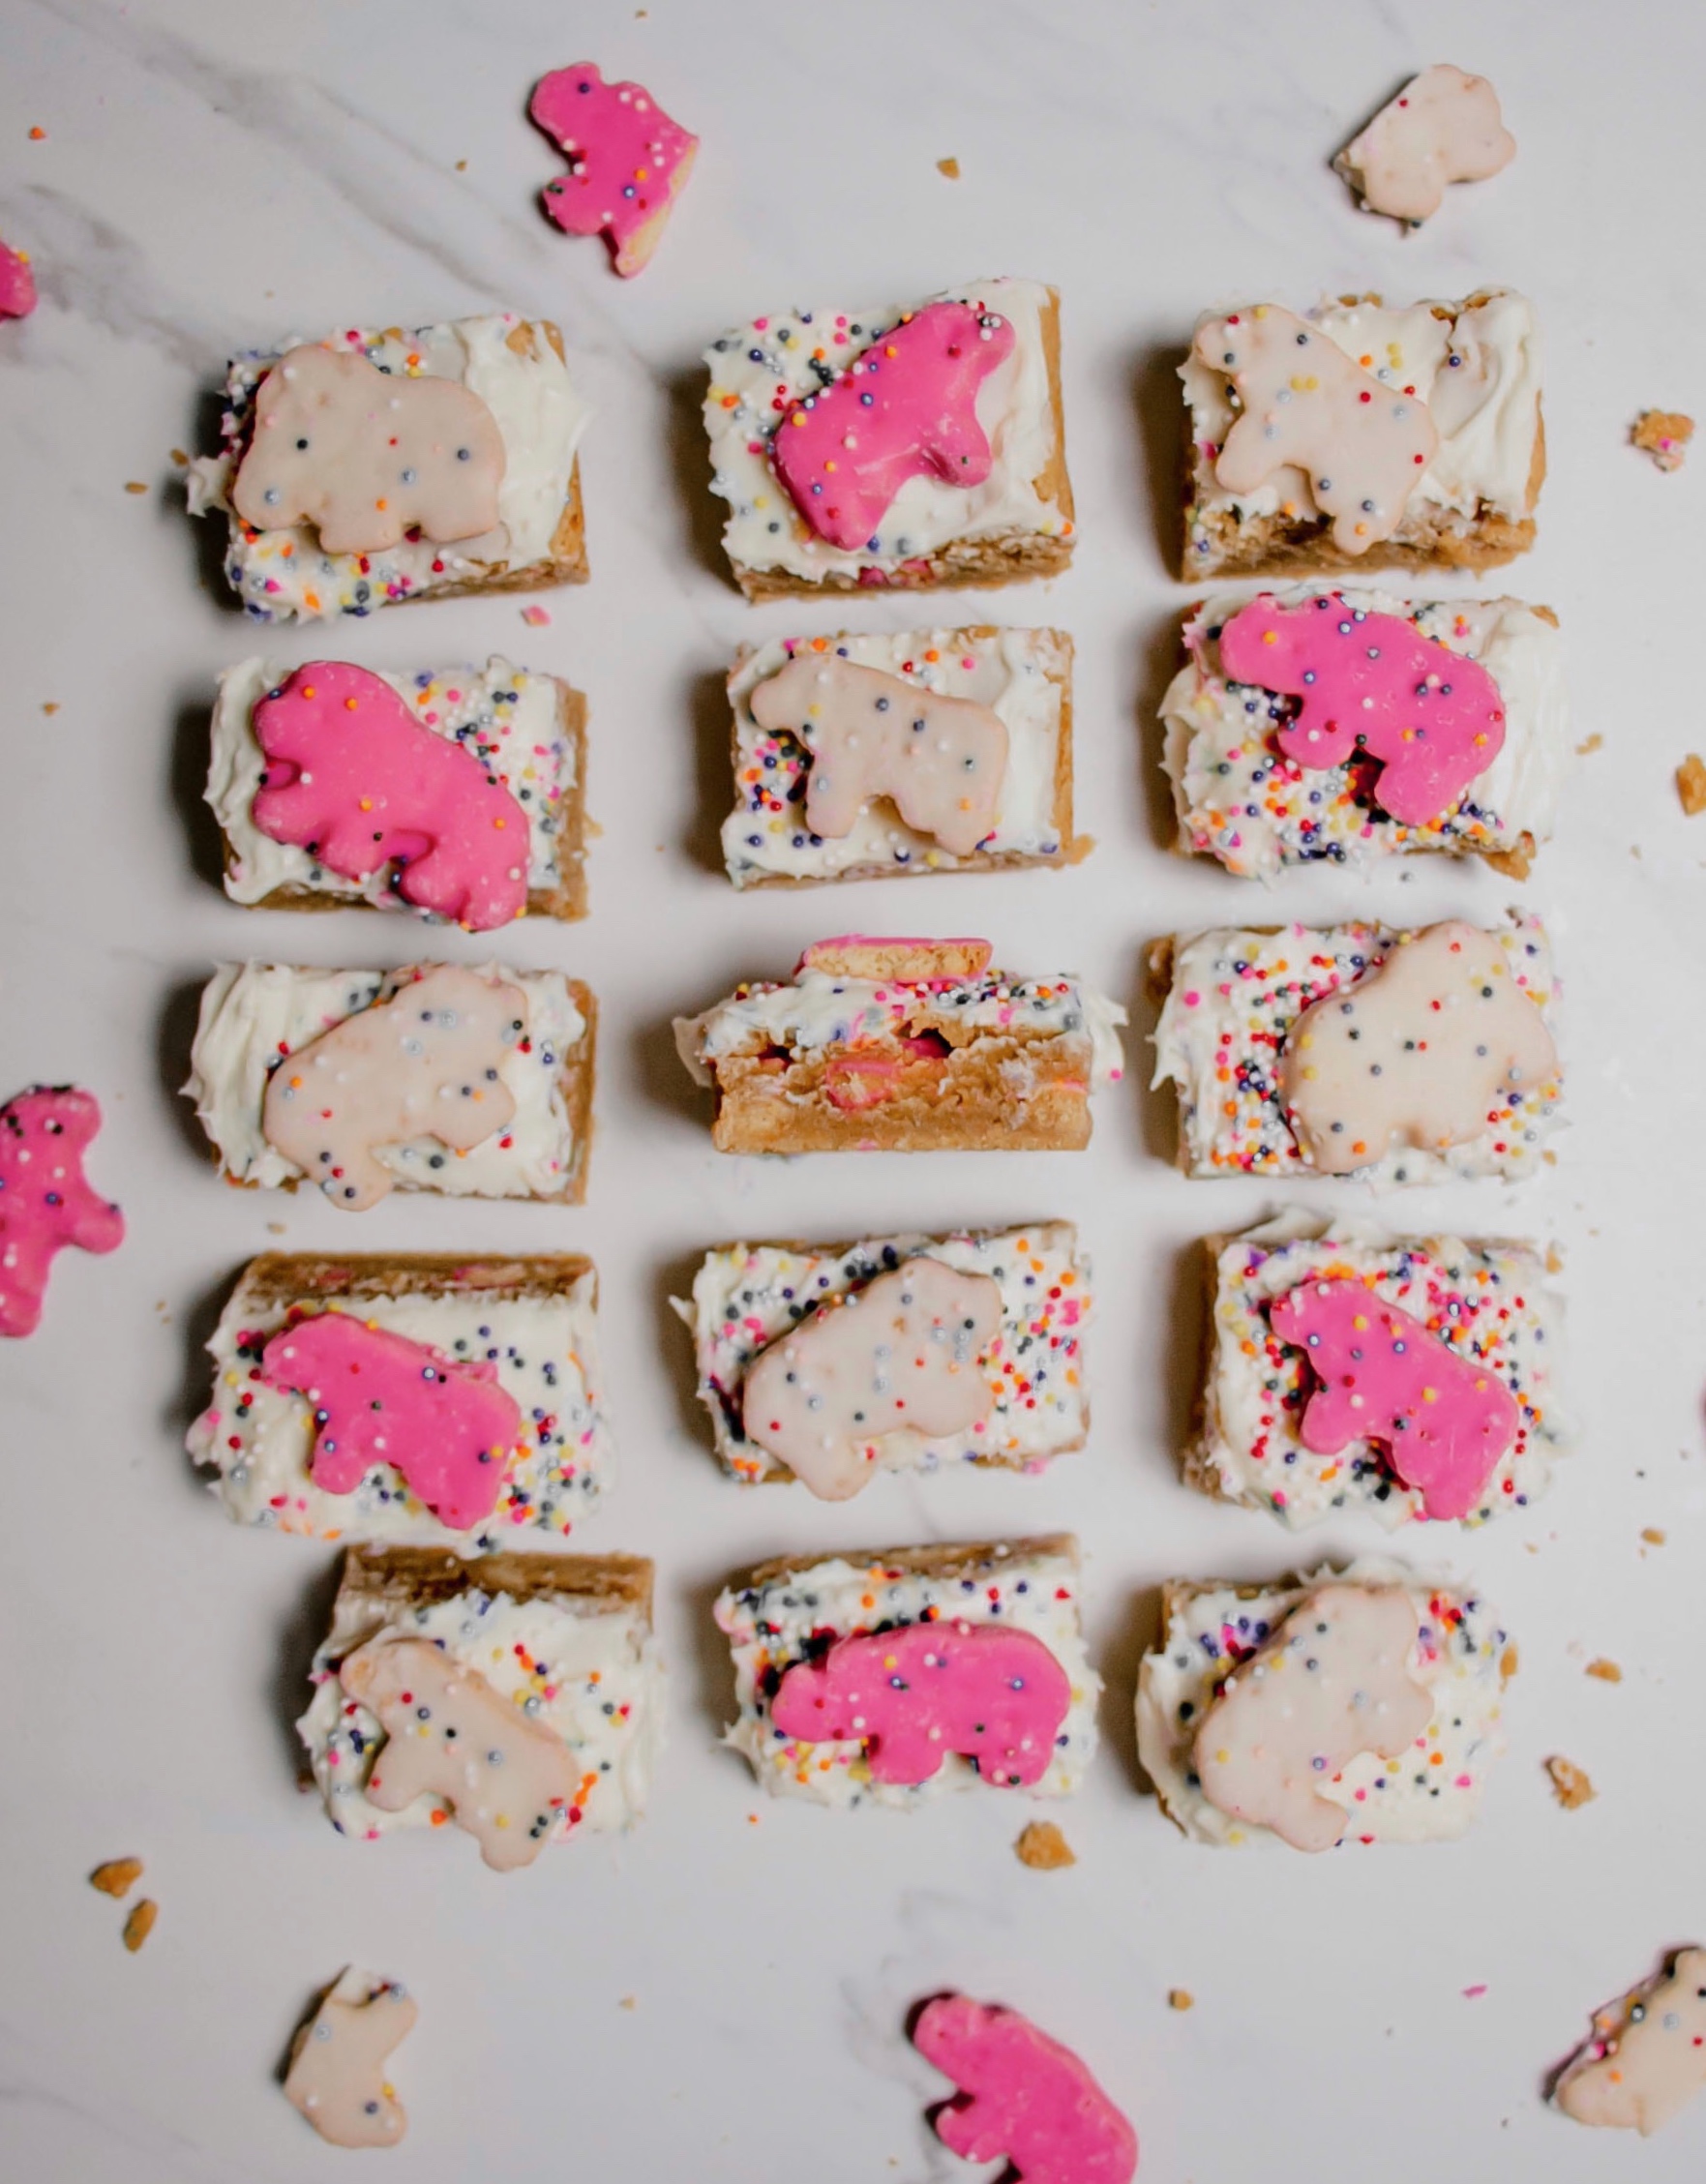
x=536 y=618
x=1472 y=1993
x=1193 y=999
x=760 y=324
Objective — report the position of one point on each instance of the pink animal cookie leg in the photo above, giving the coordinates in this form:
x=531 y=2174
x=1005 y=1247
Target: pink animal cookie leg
x=1022 y=2096
x=46 y=1201
x=628 y=161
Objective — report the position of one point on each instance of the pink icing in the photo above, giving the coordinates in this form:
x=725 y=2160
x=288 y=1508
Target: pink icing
x=904 y=409
x=45 y=1202
x=1444 y=1420
x=1434 y=718
x=352 y=777
x=18 y=284
x=915 y=1695
x=627 y=160
x=447 y=1428
x=1022 y=2096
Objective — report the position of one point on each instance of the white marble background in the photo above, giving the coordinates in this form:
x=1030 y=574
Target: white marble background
x=218 y=174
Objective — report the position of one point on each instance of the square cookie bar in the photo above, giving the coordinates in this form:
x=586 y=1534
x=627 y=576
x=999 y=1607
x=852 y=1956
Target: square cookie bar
x=890 y=1678
x=1362 y=436
x=909 y=445
x=518 y=1697
x=1403 y=1058
x=874 y=757
x=457 y=792
x=1348 y=1369
x=1363 y=1706
x=904 y=1046
x=377 y=466
x=1009 y=1390
x=473 y=1083
x=481 y=1415
x=1347 y=727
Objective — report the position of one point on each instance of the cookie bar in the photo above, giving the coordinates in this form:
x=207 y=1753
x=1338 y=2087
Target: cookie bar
x=888 y=1677
x=1404 y=1057
x=544 y=1683
x=1465 y=1313
x=1362 y=436
x=909 y=445
x=1023 y=1399
x=873 y=758
x=1289 y=1749
x=378 y=465
x=493 y=1424
x=1353 y=726
x=904 y=1046
x=454 y=791
x=471 y=1083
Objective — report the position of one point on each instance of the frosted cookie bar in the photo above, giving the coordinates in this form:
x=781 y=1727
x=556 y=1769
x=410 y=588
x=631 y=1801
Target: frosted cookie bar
x=1365 y=1706
x=518 y=1697
x=378 y=465
x=915 y=445
x=458 y=793
x=471 y=1083
x=872 y=758
x=904 y=1046
x=1404 y=1057
x=891 y=1677
x=1353 y=726
x=1017 y=1399
x=415 y=1398
x=1362 y=436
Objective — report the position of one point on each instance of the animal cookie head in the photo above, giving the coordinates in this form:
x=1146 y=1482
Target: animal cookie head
x=46 y=1201
x=1647 y=2059
x=366 y=455
x=897 y=1358
x=940 y=761
x=337 y=2074
x=628 y=161
x=1413 y=1053
x=1333 y=1681
x=426 y=1063
x=906 y=407
x=1304 y=406
x=1443 y=127
x=1022 y=2096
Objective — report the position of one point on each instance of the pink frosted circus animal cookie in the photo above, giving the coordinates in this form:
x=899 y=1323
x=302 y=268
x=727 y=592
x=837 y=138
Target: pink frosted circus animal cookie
x=353 y=778
x=1022 y=2096
x=1304 y=405
x=914 y=1695
x=906 y=407
x=45 y=1202
x=366 y=455
x=941 y=760
x=1646 y=2059
x=18 y=284
x=1443 y=127
x=1371 y=683
x=337 y=2074
x=379 y=1398
x=1444 y=1420
x=628 y=161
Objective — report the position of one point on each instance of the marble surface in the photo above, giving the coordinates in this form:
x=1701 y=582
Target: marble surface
x=722 y=1994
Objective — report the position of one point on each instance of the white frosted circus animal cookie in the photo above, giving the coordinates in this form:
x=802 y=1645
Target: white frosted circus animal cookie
x=337 y=2072
x=1443 y=127
x=1646 y=2059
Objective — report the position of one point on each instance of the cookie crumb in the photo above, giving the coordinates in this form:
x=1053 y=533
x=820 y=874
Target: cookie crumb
x=1509 y=1660
x=1181 y=1999
x=1570 y=1783
x=949 y=168
x=1664 y=435
x=462 y=166
x=1594 y=742
x=1653 y=1536
x=1607 y=1671
x=1691 y=784
x=629 y=2002
x=276 y=1228
x=1043 y=1848
x=117 y=1877
x=134 y=485
x=141 y=1923
x=181 y=460
x=52 y=707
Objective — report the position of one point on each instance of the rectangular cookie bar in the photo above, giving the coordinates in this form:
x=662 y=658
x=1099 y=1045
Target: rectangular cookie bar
x=472 y=1471
x=471 y=1083
x=1439 y=1697
x=512 y=425
x=927 y=443
x=552 y=1654
x=523 y=734
x=1363 y=435
x=934 y=750
x=1487 y=1309
x=748 y=1298
x=1298 y=722
x=903 y=1046
x=792 y=1615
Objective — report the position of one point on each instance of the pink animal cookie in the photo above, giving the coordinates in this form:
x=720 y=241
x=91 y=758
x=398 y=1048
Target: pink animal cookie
x=18 y=284
x=1444 y=1420
x=353 y=778
x=995 y=1696
x=379 y=1398
x=1022 y=2096
x=628 y=161
x=1373 y=683
x=45 y=1202
x=906 y=407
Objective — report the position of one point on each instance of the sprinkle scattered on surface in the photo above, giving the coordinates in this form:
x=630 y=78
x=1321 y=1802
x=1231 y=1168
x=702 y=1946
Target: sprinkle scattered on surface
x=1043 y=1848
x=1664 y=435
x=1606 y=1671
x=1593 y=743
x=52 y=707
x=1691 y=784
x=1570 y=1783
x=949 y=168
x=1653 y=1536
x=536 y=617
x=1181 y=1999
x=1475 y=1993
x=38 y=135
x=141 y=1923
x=462 y=166
x=117 y=1877
x=134 y=485
x=179 y=458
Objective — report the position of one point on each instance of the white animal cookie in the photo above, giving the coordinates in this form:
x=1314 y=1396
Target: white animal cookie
x=1646 y=2059
x=337 y=2072
x=1443 y=127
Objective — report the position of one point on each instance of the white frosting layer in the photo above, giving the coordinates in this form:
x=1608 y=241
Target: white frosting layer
x=1018 y=673
x=253 y=1014
x=793 y=353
